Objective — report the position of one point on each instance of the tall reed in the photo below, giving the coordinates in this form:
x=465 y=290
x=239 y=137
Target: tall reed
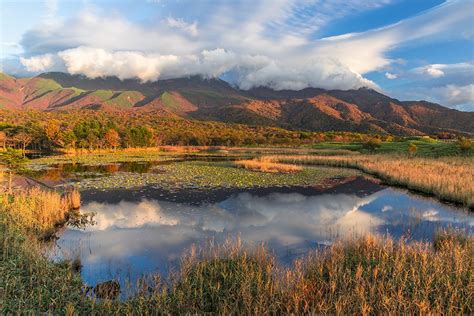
x=39 y=210
x=449 y=178
x=374 y=275
x=367 y=275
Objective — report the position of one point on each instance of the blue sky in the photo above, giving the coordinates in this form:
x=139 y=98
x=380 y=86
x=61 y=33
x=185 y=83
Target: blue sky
x=411 y=50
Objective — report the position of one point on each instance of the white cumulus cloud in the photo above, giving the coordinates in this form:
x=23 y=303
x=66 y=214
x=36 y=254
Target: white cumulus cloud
x=434 y=71
x=38 y=63
x=249 y=70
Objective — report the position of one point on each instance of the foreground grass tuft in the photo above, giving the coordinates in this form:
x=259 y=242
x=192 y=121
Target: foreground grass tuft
x=31 y=284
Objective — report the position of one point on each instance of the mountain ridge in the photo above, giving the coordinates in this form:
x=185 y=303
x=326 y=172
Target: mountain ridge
x=314 y=109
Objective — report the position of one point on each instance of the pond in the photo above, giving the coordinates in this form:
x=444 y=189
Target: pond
x=144 y=230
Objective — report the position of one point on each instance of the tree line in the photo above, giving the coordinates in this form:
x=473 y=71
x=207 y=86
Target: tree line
x=98 y=130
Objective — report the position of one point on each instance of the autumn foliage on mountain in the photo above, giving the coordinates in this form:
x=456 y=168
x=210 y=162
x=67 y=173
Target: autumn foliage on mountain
x=61 y=110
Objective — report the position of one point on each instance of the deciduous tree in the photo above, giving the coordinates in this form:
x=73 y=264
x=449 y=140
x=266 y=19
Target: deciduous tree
x=112 y=138
x=372 y=144
x=24 y=139
x=11 y=158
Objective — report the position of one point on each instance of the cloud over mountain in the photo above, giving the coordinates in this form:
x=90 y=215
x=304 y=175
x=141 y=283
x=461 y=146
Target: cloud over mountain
x=275 y=44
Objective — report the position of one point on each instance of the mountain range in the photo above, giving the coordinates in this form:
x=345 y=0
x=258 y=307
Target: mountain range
x=313 y=109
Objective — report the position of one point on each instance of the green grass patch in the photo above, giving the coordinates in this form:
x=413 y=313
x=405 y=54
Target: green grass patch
x=126 y=99
x=170 y=102
x=47 y=85
x=43 y=86
x=426 y=147
x=338 y=145
x=102 y=94
x=76 y=91
x=31 y=284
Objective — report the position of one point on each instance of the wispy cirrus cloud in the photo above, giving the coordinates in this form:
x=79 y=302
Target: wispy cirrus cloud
x=180 y=24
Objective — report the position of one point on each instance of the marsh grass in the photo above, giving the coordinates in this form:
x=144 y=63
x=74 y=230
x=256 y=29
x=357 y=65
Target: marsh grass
x=448 y=237
x=30 y=283
x=374 y=275
x=39 y=210
x=366 y=275
x=71 y=199
x=264 y=164
x=224 y=278
x=448 y=178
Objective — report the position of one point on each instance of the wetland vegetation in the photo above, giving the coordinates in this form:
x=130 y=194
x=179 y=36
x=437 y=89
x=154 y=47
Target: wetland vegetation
x=314 y=198
x=370 y=274
x=448 y=178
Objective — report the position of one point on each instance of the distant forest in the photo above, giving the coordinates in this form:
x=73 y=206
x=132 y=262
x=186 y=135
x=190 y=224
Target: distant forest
x=91 y=130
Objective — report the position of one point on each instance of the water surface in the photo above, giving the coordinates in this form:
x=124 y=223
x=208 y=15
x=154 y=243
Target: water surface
x=145 y=230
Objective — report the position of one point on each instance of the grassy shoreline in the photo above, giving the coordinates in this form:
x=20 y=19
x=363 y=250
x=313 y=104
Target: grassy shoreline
x=450 y=179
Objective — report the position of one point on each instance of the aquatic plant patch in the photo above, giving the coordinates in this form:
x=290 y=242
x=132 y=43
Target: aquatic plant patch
x=192 y=174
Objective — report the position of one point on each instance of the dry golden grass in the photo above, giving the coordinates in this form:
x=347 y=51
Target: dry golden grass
x=39 y=210
x=374 y=275
x=448 y=178
x=186 y=149
x=72 y=199
x=267 y=165
x=368 y=275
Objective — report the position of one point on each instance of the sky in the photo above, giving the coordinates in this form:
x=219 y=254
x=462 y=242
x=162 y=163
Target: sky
x=408 y=49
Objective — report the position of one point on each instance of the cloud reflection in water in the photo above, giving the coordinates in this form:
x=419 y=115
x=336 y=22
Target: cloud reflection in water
x=132 y=238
